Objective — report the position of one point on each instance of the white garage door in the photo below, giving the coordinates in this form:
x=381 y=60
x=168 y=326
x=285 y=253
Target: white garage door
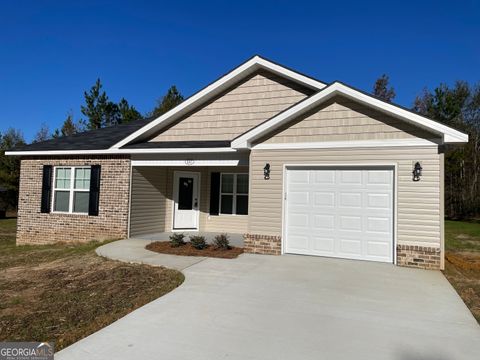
x=340 y=212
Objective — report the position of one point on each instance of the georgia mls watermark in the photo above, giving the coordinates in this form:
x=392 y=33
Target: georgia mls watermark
x=26 y=351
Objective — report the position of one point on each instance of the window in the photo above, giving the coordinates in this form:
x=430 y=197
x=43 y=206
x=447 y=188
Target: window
x=71 y=189
x=234 y=194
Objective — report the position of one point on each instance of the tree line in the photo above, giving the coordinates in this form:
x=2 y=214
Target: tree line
x=457 y=106
x=98 y=111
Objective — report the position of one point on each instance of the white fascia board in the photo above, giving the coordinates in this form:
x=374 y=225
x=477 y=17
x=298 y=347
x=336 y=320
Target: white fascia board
x=121 y=151
x=187 y=162
x=449 y=135
x=348 y=144
x=214 y=89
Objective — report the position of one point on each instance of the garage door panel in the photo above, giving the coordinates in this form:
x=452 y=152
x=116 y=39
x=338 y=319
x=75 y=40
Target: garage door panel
x=350 y=246
x=379 y=200
x=300 y=198
x=298 y=242
x=378 y=224
x=324 y=245
x=326 y=177
x=379 y=177
x=299 y=220
x=324 y=221
x=340 y=213
x=350 y=199
x=350 y=223
x=321 y=198
x=350 y=177
x=379 y=250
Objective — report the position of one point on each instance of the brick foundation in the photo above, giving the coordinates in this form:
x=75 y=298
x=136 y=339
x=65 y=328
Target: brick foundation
x=262 y=244
x=418 y=256
x=34 y=227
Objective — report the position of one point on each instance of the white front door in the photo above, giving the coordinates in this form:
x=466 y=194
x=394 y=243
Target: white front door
x=186 y=198
x=340 y=212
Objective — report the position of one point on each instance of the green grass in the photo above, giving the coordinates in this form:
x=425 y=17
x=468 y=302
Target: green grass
x=12 y=255
x=462 y=235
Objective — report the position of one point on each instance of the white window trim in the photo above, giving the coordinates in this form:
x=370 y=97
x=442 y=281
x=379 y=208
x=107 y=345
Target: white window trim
x=71 y=190
x=234 y=195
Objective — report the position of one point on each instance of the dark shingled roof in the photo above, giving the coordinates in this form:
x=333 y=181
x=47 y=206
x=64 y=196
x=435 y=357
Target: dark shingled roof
x=178 y=144
x=99 y=139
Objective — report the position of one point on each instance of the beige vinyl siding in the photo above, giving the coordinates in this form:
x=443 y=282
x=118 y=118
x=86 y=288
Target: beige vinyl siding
x=341 y=120
x=207 y=222
x=251 y=102
x=147 y=211
x=419 y=210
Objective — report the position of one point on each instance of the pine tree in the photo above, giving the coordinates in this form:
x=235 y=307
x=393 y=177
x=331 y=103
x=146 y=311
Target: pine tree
x=171 y=99
x=383 y=90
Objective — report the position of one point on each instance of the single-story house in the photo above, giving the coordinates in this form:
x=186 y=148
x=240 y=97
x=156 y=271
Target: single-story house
x=297 y=165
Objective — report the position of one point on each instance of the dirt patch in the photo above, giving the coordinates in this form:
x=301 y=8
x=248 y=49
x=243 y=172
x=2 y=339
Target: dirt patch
x=164 y=247
x=67 y=299
x=462 y=269
x=63 y=293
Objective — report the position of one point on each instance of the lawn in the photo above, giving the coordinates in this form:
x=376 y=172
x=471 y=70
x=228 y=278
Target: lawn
x=462 y=261
x=63 y=293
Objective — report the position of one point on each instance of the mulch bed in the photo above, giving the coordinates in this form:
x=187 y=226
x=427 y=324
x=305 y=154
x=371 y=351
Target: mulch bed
x=164 y=247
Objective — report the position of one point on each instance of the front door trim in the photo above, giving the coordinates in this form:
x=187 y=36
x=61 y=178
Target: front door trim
x=176 y=176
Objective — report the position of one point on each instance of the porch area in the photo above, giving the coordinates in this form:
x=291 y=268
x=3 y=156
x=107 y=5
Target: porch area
x=201 y=196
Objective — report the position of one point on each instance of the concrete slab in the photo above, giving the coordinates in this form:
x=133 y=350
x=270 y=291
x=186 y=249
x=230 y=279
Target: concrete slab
x=294 y=307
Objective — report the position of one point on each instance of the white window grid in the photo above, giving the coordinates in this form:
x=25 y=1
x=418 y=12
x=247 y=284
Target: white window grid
x=234 y=194
x=71 y=189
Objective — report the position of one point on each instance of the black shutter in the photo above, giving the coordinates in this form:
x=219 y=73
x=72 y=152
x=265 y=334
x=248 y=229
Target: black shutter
x=214 y=193
x=94 y=190
x=46 y=188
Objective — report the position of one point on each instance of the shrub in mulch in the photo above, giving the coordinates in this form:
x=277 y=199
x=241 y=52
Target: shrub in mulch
x=221 y=242
x=188 y=249
x=177 y=240
x=198 y=242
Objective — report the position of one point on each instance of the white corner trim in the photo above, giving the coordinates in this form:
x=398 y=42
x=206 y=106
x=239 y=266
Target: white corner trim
x=449 y=135
x=186 y=162
x=347 y=144
x=215 y=88
x=121 y=151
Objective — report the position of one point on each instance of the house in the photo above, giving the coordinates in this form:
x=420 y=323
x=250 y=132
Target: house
x=295 y=164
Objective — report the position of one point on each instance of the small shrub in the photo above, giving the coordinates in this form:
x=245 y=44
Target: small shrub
x=176 y=239
x=198 y=242
x=221 y=242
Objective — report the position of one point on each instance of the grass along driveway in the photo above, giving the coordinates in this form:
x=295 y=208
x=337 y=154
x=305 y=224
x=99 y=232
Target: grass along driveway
x=63 y=293
x=462 y=261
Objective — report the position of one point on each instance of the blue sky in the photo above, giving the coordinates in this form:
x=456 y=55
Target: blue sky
x=51 y=51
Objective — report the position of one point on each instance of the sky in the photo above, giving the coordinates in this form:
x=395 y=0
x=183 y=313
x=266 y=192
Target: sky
x=52 y=51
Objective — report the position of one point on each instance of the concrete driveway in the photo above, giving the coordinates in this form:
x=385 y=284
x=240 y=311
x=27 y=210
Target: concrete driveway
x=294 y=307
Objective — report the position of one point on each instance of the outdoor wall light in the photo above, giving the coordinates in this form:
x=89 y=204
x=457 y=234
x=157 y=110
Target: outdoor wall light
x=266 y=171
x=417 y=171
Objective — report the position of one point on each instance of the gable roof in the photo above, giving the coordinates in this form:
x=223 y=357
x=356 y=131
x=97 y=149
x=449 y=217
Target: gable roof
x=127 y=138
x=239 y=73
x=448 y=134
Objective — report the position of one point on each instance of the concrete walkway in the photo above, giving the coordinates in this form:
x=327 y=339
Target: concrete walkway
x=133 y=251
x=289 y=307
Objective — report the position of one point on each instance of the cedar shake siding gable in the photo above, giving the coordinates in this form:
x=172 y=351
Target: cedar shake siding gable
x=341 y=119
x=237 y=110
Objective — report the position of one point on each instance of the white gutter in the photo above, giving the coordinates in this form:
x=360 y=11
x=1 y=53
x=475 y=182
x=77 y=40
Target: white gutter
x=121 y=151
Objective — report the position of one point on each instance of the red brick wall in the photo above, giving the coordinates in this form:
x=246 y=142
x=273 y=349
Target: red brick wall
x=33 y=227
